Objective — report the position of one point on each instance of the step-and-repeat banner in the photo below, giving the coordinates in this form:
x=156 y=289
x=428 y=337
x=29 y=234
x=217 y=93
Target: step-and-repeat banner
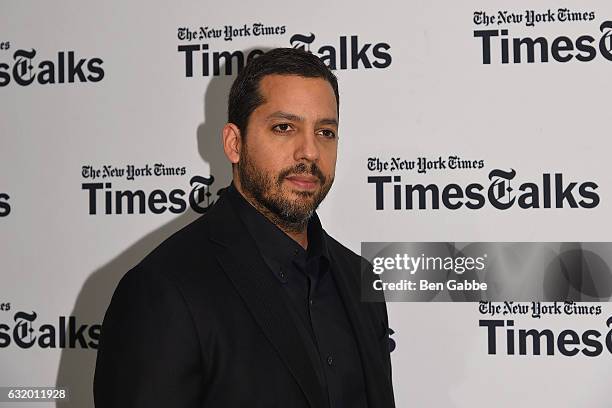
x=472 y=172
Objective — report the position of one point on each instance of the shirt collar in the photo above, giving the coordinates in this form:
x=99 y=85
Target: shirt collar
x=275 y=246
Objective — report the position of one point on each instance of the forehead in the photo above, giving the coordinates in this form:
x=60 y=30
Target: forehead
x=293 y=92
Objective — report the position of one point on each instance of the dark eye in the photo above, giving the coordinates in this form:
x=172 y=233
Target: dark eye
x=327 y=133
x=282 y=128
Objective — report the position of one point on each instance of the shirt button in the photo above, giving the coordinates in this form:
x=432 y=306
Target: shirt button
x=311 y=302
x=330 y=361
x=282 y=275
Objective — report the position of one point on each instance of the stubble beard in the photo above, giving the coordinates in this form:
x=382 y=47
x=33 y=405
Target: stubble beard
x=265 y=192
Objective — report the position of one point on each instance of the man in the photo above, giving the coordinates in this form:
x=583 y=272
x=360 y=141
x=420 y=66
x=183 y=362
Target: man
x=253 y=304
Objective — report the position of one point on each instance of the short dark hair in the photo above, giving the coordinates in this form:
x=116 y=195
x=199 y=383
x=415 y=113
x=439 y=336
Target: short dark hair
x=245 y=97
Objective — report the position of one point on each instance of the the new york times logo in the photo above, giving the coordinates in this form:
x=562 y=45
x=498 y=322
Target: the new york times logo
x=517 y=50
x=157 y=201
x=25 y=333
x=229 y=32
x=5 y=207
x=67 y=67
x=348 y=53
x=552 y=191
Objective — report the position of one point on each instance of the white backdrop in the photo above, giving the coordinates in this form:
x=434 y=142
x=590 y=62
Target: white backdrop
x=130 y=103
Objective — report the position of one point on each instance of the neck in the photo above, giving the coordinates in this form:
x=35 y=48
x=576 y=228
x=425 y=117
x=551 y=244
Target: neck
x=299 y=237
x=297 y=232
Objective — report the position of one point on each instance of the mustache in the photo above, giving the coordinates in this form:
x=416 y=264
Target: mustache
x=302 y=168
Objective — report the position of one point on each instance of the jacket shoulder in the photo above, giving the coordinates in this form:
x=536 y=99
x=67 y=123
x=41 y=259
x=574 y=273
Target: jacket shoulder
x=347 y=258
x=182 y=244
x=337 y=249
x=360 y=270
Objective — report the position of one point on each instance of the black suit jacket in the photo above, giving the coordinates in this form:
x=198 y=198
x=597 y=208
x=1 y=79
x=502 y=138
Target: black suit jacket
x=201 y=322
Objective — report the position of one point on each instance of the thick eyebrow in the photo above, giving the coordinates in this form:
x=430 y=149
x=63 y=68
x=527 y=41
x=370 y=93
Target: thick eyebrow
x=286 y=115
x=330 y=121
x=296 y=118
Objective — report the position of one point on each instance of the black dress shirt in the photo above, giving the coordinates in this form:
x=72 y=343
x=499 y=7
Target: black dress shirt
x=313 y=302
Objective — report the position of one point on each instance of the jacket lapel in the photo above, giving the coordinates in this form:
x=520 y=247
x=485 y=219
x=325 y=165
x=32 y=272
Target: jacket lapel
x=255 y=283
x=374 y=371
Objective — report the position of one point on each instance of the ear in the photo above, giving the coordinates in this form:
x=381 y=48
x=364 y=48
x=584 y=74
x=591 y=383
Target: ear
x=232 y=142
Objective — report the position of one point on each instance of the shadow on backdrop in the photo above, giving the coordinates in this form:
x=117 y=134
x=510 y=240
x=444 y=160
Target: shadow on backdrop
x=76 y=367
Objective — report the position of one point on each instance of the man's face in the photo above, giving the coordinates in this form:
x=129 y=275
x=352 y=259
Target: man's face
x=288 y=156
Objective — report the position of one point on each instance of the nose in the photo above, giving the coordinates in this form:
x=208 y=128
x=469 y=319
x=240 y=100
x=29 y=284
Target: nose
x=307 y=147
